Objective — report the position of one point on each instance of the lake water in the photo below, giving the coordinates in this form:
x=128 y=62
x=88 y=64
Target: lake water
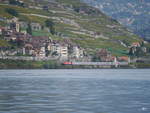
x=75 y=91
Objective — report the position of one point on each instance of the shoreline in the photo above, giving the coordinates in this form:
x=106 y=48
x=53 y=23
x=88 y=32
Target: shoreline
x=20 y=64
x=71 y=68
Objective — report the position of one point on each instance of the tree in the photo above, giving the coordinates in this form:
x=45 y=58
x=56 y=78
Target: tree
x=29 y=30
x=139 y=52
x=50 y=24
x=131 y=51
x=96 y=58
x=52 y=30
x=12 y=12
x=15 y=2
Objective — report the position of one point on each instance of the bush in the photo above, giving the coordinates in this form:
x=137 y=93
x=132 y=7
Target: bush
x=15 y=2
x=12 y=12
x=50 y=24
x=29 y=30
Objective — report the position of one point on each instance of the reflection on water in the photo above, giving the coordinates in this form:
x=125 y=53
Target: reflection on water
x=75 y=91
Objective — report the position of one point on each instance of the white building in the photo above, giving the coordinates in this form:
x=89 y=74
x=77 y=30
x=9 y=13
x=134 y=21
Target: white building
x=1 y=31
x=61 y=50
x=36 y=26
x=42 y=52
x=77 y=52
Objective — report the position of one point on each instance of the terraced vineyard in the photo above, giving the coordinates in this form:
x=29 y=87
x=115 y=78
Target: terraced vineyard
x=78 y=22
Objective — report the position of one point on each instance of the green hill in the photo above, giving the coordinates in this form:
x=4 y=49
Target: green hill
x=76 y=21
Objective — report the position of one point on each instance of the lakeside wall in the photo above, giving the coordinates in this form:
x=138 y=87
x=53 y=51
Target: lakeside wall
x=50 y=64
x=23 y=62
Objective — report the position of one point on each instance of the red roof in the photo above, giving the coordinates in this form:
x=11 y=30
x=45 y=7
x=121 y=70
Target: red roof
x=125 y=58
x=136 y=44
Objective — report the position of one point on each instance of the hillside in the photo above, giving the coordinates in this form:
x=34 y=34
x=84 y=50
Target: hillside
x=82 y=24
x=132 y=13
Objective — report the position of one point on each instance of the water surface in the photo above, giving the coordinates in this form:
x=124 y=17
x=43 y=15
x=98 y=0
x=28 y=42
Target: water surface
x=75 y=91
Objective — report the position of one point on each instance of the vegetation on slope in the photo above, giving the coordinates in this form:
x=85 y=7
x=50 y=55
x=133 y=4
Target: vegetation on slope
x=81 y=21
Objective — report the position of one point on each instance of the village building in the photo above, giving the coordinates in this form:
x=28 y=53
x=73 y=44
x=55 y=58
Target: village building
x=9 y=35
x=77 y=52
x=24 y=31
x=136 y=44
x=1 y=30
x=60 y=50
x=28 y=49
x=13 y=20
x=2 y=19
x=144 y=49
x=39 y=45
x=124 y=59
x=55 y=48
x=15 y=26
x=64 y=52
x=36 y=26
x=22 y=38
x=23 y=25
x=42 y=52
x=104 y=55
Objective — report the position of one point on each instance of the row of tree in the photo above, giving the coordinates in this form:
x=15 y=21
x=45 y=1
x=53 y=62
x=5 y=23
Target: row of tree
x=16 y=2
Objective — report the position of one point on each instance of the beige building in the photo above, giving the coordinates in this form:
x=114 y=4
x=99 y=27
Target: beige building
x=17 y=27
x=64 y=52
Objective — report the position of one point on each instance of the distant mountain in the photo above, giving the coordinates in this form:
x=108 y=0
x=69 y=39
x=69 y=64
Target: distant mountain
x=135 y=14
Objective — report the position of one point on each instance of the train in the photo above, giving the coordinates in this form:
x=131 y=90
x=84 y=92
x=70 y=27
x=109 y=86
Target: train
x=97 y=63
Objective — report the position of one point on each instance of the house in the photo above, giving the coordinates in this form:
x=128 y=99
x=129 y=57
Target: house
x=7 y=32
x=9 y=35
x=28 y=49
x=39 y=40
x=2 y=18
x=64 y=52
x=36 y=26
x=60 y=50
x=23 y=25
x=135 y=44
x=1 y=30
x=13 y=20
x=39 y=45
x=124 y=59
x=56 y=48
x=21 y=37
x=42 y=52
x=104 y=55
x=15 y=26
x=77 y=52
x=144 y=49
x=24 y=31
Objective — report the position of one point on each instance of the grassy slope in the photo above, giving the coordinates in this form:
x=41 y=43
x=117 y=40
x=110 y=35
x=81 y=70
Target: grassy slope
x=96 y=23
